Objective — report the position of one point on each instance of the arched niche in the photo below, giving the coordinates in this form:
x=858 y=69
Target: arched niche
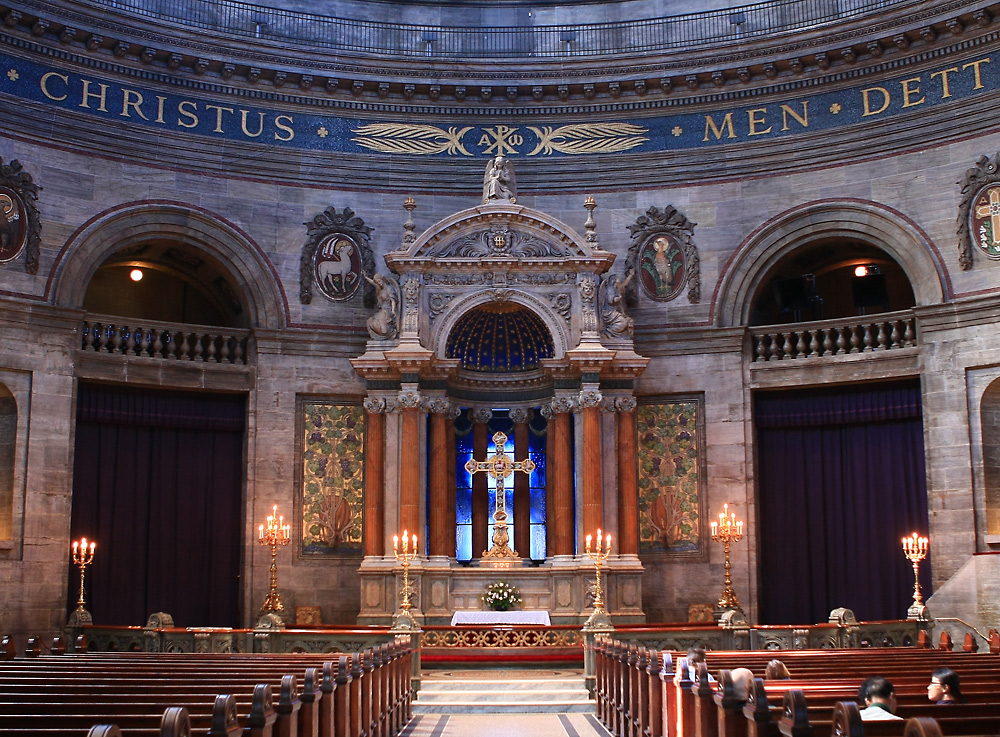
x=847 y=220
x=114 y=231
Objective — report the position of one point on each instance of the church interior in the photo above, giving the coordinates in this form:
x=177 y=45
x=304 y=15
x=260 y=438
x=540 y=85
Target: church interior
x=699 y=294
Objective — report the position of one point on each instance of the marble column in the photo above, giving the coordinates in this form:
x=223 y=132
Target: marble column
x=590 y=462
x=628 y=490
x=522 y=485
x=480 y=484
x=409 y=462
x=375 y=408
x=441 y=536
x=559 y=479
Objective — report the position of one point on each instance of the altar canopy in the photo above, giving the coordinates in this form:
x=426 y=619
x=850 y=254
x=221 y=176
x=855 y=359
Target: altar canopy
x=501 y=329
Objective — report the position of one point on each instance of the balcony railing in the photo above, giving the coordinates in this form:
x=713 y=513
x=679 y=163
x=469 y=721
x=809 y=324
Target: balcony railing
x=834 y=337
x=165 y=341
x=724 y=26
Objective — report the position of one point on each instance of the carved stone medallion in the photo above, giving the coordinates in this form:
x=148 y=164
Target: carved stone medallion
x=338 y=267
x=663 y=257
x=979 y=211
x=984 y=221
x=13 y=225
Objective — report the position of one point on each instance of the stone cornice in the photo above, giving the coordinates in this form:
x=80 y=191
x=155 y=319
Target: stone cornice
x=522 y=88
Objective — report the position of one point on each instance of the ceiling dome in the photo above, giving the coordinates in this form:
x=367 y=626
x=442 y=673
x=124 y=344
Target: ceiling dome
x=500 y=338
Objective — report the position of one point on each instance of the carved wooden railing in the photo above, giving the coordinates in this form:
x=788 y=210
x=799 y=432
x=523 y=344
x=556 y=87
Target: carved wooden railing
x=160 y=340
x=841 y=337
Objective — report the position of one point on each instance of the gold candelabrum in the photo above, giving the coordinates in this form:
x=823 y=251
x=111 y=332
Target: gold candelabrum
x=274 y=535
x=728 y=530
x=82 y=556
x=915 y=550
x=405 y=557
x=599 y=555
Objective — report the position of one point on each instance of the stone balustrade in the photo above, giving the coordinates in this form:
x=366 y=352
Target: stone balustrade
x=841 y=337
x=169 y=341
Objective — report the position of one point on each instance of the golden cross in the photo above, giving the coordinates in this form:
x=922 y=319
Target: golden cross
x=992 y=211
x=500 y=466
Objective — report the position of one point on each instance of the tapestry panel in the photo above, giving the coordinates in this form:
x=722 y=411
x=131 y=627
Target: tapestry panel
x=332 y=478
x=670 y=477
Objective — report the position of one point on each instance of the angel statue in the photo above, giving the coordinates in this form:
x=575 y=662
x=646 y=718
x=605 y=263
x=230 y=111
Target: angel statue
x=616 y=323
x=382 y=325
x=499 y=181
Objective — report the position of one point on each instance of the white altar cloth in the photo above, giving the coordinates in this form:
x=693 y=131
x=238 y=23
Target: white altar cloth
x=491 y=618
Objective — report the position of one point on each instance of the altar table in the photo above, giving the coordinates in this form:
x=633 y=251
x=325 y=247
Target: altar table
x=503 y=618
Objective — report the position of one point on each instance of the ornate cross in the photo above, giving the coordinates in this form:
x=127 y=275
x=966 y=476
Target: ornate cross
x=992 y=211
x=500 y=466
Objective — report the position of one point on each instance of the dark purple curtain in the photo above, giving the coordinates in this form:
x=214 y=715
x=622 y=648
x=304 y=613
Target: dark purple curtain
x=841 y=479
x=158 y=483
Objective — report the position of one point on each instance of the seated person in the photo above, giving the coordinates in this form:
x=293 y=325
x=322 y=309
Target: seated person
x=880 y=700
x=697 y=655
x=776 y=671
x=742 y=682
x=944 y=687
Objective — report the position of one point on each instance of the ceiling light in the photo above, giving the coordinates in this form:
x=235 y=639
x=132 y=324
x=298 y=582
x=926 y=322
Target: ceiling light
x=135 y=275
x=861 y=270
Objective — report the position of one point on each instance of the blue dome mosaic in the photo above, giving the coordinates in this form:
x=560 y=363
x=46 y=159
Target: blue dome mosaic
x=500 y=338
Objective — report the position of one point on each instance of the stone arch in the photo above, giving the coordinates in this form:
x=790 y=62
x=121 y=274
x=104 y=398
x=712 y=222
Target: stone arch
x=557 y=326
x=129 y=224
x=861 y=220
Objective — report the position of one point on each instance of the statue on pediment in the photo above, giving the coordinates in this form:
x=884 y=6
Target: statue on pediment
x=384 y=323
x=499 y=182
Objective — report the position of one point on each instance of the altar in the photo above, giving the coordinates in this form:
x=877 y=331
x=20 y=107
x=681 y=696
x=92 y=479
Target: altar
x=536 y=617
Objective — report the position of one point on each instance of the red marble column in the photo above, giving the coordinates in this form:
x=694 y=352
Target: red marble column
x=559 y=482
x=409 y=462
x=442 y=537
x=628 y=490
x=374 y=543
x=522 y=494
x=451 y=520
x=590 y=463
x=480 y=492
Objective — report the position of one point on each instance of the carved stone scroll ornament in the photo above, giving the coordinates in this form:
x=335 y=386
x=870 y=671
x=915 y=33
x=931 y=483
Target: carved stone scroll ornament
x=663 y=256
x=411 y=312
x=979 y=211
x=336 y=256
x=499 y=240
x=588 y=291
x=20 y=223
x=562 y=303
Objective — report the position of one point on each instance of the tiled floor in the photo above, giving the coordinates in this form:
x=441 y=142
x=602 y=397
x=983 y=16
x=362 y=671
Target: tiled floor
x=505 y=725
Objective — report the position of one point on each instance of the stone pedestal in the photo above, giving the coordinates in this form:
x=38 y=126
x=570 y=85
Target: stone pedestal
x=560 y=586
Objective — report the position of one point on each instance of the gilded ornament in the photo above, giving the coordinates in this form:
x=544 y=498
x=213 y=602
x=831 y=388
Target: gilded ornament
x=411 y=138
x=588 y=138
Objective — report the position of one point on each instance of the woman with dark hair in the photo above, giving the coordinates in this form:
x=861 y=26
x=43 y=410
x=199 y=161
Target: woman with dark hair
x=944 y=687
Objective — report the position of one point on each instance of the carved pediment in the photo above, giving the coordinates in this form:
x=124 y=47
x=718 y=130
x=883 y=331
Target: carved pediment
x=502 y=240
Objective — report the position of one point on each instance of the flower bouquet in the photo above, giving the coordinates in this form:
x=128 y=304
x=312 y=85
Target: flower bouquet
x=501 y=596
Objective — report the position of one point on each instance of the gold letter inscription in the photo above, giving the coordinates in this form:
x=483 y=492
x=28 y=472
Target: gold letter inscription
x=129 y=102
x=278 y=124
x=45 y=85
x=243 y=123
x=803 y=120
x=867 y=103
x=755 y=121
x=727 y=123
x=218 y=116
x=945 y=91
x=975 y=70
x=99 y=95
x=909 y=93
x=182 y=110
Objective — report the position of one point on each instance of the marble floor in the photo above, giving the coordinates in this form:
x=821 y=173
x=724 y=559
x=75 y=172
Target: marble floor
x=505 y=725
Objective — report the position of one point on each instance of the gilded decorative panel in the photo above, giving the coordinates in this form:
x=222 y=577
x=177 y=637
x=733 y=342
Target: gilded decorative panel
x=670 y=477
x=332 y=453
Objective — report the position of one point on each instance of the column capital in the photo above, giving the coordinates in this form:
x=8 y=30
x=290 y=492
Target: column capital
x=482 y=414
x=438 y=405
x=520 y=415
x=590 y=398
x=625 y=404
x=560 y=404
x=378 y=405
x=409 y=399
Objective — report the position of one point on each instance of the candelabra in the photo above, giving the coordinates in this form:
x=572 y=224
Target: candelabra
x=728 y=530
x=275 y=535
x=82 y=556
x=403 y=618
x=599 y=556
x=915 y=550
